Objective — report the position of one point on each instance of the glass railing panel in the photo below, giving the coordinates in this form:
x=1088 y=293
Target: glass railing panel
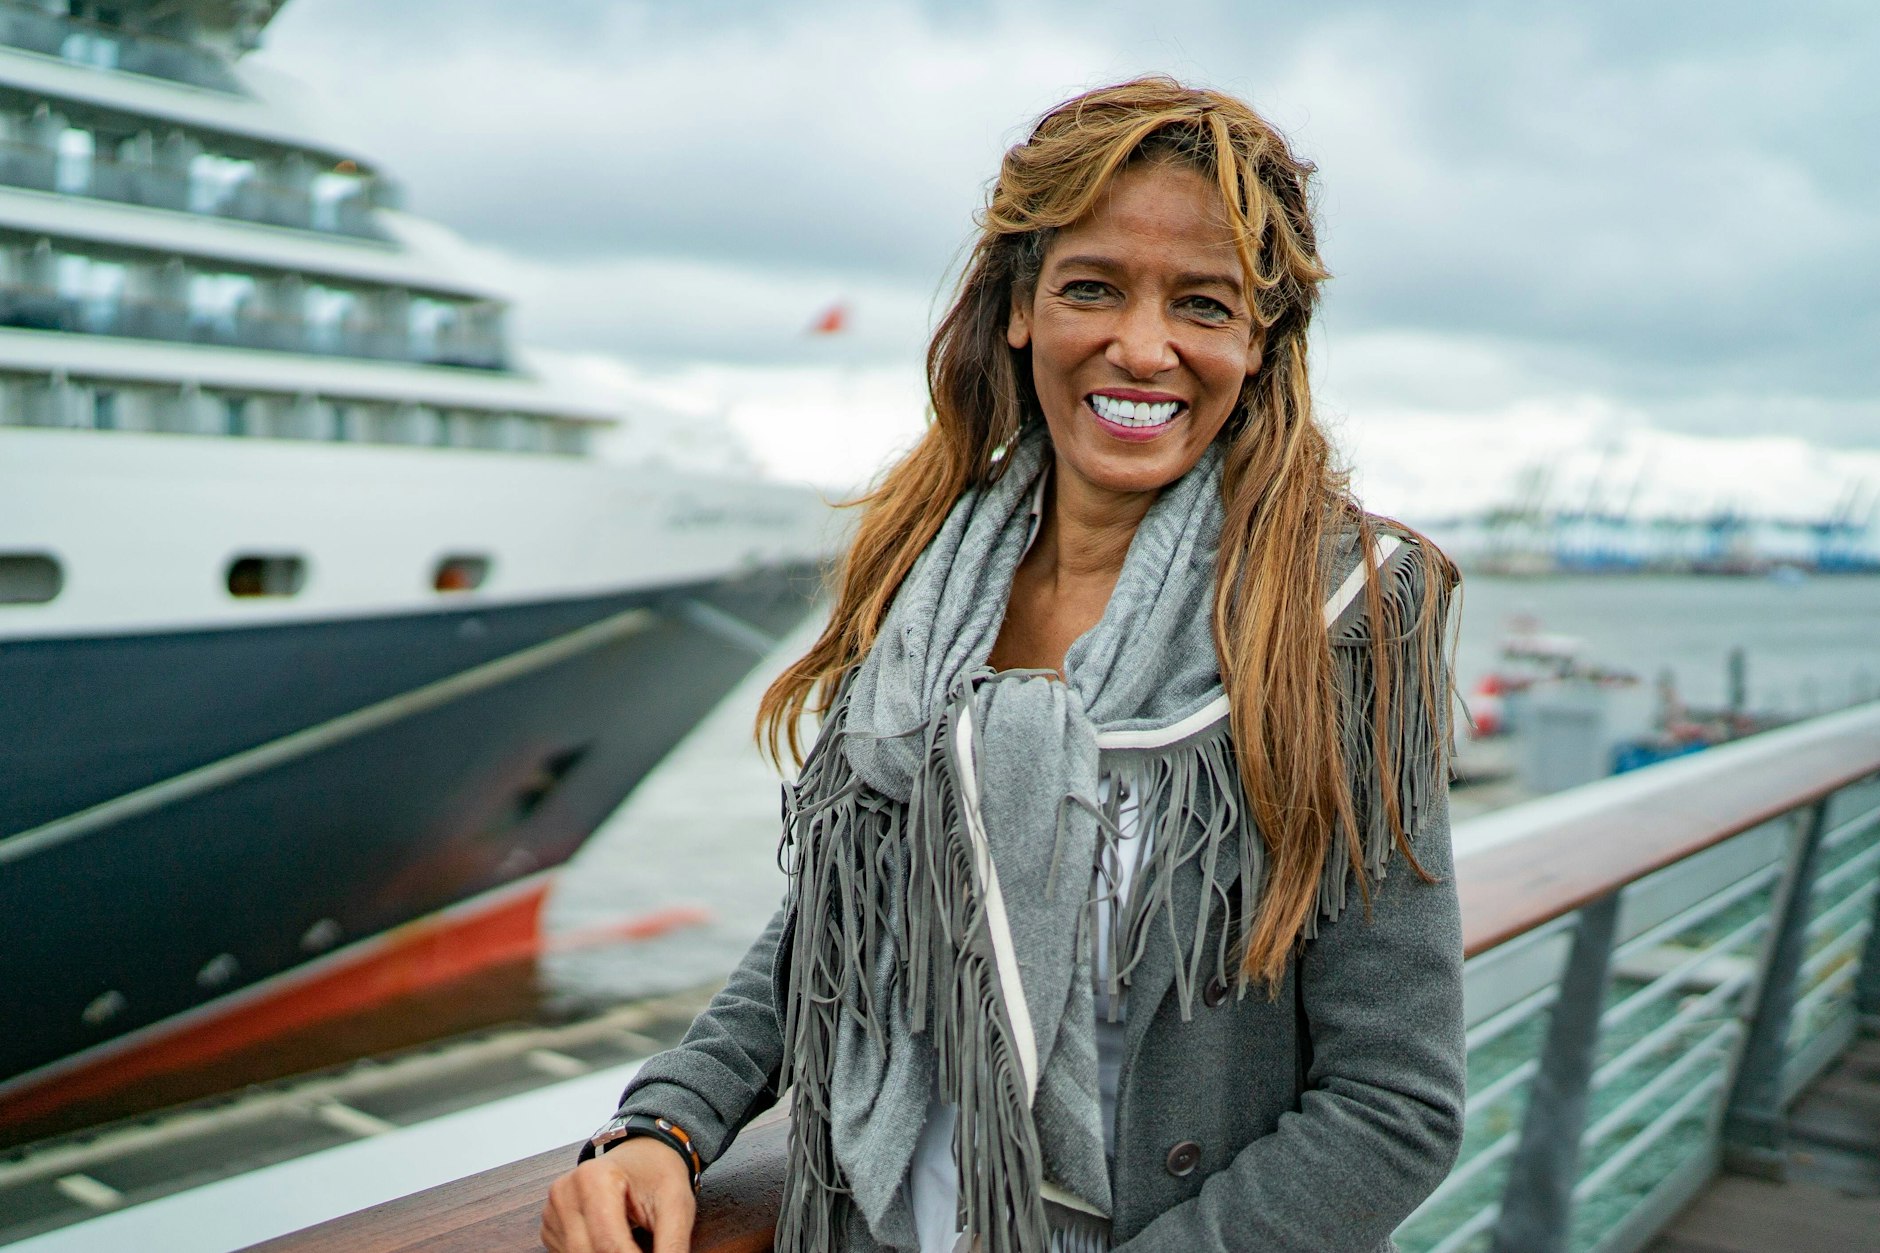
x=1674 y=1013
x=1841 y=915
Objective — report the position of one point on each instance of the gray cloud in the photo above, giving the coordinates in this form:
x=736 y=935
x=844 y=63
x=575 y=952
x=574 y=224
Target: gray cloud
x=1664 y=217
x=1671 y=205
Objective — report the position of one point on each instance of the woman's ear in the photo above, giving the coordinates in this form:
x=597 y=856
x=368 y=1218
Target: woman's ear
x=1018 y=326
x=1256 y=350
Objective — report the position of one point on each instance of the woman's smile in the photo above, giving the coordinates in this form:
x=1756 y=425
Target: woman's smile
x=1135 y=415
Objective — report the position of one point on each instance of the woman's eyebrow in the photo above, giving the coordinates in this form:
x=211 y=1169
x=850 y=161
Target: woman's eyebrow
x=1209 y=278
x=1189 y=278
x=1087 y=261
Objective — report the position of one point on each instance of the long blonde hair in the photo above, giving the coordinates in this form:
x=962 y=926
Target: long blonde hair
x=1280 y=487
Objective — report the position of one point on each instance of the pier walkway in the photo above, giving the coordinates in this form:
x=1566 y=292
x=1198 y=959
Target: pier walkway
x=1673 y=996
x=1829 y=1201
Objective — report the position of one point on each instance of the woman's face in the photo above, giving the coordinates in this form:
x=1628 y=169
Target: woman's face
x=1140 y=331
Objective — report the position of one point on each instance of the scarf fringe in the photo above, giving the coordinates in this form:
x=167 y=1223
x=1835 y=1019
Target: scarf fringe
x=840 y=842
x=1418 y=748
x=1073 y=1231
x=834 y=832
x=1188 y=800
x=948 y=965
x=1188 y=803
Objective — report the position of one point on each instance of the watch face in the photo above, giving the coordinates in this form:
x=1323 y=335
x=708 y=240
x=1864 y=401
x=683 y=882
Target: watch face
x=609 y=1135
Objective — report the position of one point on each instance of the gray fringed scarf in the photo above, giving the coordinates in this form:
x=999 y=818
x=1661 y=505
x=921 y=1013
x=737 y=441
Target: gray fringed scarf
x=942 y=838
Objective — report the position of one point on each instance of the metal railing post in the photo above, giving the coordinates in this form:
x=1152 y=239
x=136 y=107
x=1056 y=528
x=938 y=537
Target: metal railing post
x=1537 y=1200
x=1867 y=982
x=1755 y=1128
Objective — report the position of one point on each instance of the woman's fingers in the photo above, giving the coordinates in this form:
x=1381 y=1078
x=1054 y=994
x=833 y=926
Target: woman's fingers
x=660 y=1199
x=587 y=1212
x=671 y=1221
x=562 y=1228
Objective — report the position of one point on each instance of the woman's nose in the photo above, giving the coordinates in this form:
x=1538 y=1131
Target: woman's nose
x=1141 y=347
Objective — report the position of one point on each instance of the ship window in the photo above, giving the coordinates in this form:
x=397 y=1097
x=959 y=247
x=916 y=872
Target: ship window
x=95 y=287
x=274 y=575
x=460 y=573
x=90 y=48
x=215 y=181
x=429 y=323
x=216 y=301
x=329 y=311
x=104 y=410
x=235 y=415
x=29 y=578
x=72 y=171
x=331 y=191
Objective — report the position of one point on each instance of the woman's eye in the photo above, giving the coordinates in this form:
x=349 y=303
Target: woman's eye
x=1208 y=308
x=1083 y=290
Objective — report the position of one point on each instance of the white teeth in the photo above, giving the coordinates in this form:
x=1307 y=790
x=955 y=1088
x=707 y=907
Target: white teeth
x=1133 y=412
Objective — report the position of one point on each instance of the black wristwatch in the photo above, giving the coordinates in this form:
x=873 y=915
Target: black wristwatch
x=628 y=1126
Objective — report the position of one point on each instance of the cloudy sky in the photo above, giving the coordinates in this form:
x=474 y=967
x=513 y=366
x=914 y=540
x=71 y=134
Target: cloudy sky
x=1643 y=236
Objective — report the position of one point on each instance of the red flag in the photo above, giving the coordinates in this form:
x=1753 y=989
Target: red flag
x=832 y=321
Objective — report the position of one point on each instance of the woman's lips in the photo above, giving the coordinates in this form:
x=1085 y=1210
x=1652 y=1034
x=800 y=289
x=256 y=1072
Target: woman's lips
x=1135 y=417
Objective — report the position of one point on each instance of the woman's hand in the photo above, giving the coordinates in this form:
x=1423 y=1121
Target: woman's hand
x=639 y=1183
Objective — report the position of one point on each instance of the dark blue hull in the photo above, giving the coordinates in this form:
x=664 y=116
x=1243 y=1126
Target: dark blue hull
x=492 y=741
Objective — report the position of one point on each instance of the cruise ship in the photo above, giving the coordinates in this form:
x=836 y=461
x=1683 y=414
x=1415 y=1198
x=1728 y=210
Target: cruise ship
x=324 y=636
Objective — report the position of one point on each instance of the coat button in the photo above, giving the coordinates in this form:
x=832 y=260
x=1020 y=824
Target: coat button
x=1214 y=993
x=1183 y=1158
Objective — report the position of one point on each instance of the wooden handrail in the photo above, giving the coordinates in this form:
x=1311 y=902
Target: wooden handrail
x=1515 y=870
x=500 y=1210
x=1527 y=865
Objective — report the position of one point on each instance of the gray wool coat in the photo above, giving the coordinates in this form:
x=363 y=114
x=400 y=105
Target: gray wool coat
x=1315 y=1121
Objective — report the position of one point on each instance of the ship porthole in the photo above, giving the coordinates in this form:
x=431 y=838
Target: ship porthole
x=460 y=572
x=29 y=578
x=321 y=936
x=218 y=970
x=278 y=574
x=104 y=1007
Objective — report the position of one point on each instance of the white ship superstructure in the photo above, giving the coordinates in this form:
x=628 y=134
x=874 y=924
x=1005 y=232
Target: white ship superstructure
x=316 y=618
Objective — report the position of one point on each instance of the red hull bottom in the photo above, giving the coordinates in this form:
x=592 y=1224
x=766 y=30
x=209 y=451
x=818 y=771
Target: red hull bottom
x=415 y=958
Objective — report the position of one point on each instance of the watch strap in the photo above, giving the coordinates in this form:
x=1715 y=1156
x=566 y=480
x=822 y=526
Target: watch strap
x=631 y=1126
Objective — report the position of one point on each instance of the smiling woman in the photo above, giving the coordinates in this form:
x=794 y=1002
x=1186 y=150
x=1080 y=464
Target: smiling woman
x=1127 y=709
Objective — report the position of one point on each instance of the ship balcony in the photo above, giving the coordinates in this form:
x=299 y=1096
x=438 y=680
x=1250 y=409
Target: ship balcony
x=109 y=47
x=46 y=309
x=248 y=199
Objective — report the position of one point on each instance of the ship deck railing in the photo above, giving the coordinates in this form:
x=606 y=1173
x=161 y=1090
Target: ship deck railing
x=38 y=167
x=1659 y=965
x=109 y=47
x=43 y=308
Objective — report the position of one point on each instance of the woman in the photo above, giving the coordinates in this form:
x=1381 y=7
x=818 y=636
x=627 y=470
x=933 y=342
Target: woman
x=1119 y=867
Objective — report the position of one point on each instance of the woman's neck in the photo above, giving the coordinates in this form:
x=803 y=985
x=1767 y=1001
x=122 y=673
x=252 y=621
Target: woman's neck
x=1086 y=532
x=1064 y=583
